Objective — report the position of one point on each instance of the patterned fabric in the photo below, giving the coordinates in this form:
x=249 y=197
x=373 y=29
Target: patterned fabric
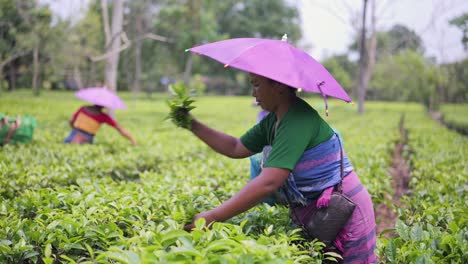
x=357 y=239
x=320 y=167
x=83 y=137
x=317 y=169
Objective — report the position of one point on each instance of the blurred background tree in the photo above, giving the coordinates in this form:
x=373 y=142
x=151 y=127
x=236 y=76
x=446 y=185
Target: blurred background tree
x=24 y=30
x=41 y=51
x=462 y=23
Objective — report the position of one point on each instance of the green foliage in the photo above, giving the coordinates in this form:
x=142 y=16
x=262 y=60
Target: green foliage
x=455 y=116
x=180 y=106
x=433 y=223
x=407 y=76
x=111 y=202
x=401 y=39
x=77 y=43
x=336 y=68
x=273 y=19
x=461 y=22
x=455 y=89
x=197 y=84
x=63 y=204
x=189 y=23
x=24 y=26
x=398 y=39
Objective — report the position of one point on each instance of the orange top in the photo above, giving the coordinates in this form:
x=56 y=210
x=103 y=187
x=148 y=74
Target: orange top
x=89 y=122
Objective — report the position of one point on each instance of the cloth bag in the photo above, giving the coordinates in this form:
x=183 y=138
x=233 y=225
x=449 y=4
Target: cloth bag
x=326 y=222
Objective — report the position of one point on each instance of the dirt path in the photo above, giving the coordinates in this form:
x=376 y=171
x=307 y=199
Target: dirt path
x=401 y=173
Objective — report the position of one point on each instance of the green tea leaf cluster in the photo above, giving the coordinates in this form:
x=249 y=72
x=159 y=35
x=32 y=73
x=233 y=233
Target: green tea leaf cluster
x=180 y=105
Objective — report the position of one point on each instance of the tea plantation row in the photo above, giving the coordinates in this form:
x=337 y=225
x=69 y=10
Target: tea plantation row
x=114 y=203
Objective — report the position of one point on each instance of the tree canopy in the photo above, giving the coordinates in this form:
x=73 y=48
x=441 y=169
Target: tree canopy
x=39 y=51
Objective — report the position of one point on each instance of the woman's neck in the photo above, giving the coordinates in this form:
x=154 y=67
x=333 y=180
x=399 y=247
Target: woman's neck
x=94 y=109
x=284 y=107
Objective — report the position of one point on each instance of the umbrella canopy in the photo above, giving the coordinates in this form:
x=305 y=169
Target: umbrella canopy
x=101 y=96
x=277 y=60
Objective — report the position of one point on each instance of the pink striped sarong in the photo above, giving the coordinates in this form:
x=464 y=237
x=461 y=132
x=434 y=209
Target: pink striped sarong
x=357 y=239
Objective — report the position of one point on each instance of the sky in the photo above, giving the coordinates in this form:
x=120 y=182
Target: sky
x=327 y=30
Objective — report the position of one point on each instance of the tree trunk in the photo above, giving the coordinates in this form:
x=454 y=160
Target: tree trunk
x=35 y=69
x=137 y=77
x=12 y=79
x=188 y=69
x=91 y=80
x=113 y=60
x=9 y=61
x=77 y=77
x=371 y=53
x=362 y=60
x=194 y=7
x=137 y=50
x=105 y=22
x=367 y=55
x=140 y=22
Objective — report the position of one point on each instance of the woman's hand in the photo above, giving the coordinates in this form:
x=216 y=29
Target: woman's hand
x=11 y=131
x=181 y=117
x=208 y=216
x=324 y=199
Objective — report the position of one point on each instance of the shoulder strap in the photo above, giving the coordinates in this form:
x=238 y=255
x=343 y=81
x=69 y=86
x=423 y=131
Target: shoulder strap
x=339 y=185
x=273 y=133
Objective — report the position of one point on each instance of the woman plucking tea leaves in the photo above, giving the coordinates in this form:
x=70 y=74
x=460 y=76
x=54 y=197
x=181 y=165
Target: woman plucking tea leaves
x=301 y=159
x=16 y=130
x=87 y=120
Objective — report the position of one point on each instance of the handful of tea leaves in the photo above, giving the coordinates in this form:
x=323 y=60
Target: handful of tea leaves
x=180 y=105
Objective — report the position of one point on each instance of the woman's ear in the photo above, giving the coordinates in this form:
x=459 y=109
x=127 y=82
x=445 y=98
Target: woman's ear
x=281 y=88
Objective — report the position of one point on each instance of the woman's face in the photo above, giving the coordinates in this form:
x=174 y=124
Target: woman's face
x=264 y=92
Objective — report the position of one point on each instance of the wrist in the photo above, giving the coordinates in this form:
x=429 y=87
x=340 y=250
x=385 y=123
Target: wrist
x=193 y=124
x=214 y=214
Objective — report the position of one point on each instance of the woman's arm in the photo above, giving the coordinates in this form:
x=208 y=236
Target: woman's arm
x=269 y=180
x=73 y=118
x=125 y=133
x=220 y=142
x=11 y=131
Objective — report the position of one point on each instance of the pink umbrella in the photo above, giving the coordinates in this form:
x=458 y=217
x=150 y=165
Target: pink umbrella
x=277 y=60
x=101 y=96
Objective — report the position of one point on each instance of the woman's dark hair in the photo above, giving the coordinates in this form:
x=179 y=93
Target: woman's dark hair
x=291 y=89
x=98 y=107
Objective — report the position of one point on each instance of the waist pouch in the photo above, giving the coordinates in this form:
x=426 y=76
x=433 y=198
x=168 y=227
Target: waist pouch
x=324 y=224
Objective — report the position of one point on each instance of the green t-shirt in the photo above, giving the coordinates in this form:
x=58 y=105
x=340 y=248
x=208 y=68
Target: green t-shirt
x=300 y=129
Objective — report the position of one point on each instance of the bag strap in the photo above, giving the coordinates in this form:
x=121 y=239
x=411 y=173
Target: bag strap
x=339 y=185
